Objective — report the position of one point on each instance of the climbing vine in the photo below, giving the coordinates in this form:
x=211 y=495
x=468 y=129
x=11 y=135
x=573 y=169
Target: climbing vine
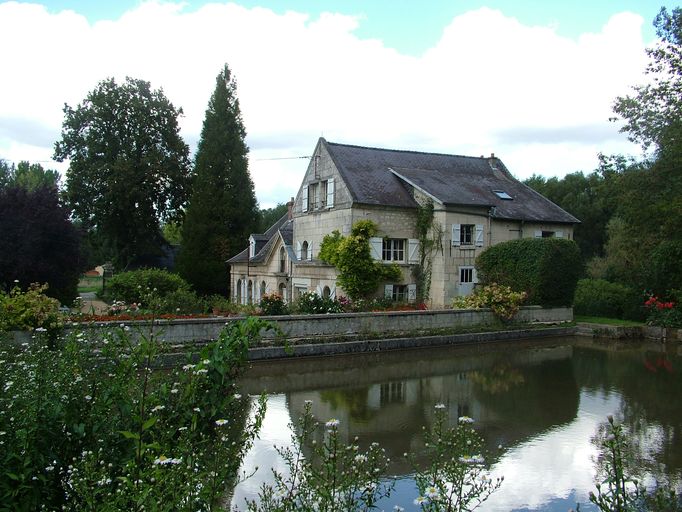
x=430 y=235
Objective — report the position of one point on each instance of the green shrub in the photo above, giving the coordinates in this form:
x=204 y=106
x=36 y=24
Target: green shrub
x=32 y=309
x=136 y=285
x=504 y=302
x=598 y=297
x=547 y=269
x=273 y=304
x=180 y=301
x=310 y=303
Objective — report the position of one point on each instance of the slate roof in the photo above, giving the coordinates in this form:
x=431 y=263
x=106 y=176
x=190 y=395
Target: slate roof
x=265 y=241
x=377 y=176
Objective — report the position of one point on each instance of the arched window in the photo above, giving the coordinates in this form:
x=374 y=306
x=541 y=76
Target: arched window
x=262 y=289
x=304 y=250
x=282 y=260
x=249 y=293
x=238 y=291
x=283 y=290
x=326 y=292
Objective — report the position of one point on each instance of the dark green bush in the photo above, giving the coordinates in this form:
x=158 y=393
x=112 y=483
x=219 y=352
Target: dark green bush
x=137 y=285
x=180 y=301
x=310 y=303
x=664 y=268
x=598 y=297
x=273 y=304
x=547 y=269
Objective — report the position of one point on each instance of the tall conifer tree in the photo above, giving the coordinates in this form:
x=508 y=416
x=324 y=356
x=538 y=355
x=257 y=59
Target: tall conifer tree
x=222 y=211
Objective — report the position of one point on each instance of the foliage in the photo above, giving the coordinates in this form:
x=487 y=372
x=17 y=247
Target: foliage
x=547 y=269
x=310 y=303
x=503 y=301
x=456 y=478
x=598 y=297
x=273 y=304
x=324 y=475
x=652 y=116
x=663 y=313
x=27 y=176
x=99 y=430
x=39 y=243
x=222 y=210
x=664 y=268
x=129 y=168
x=620 y=492
x=428 y=247
x=269 y=216
x=136 y=285
x=358 y=273
x=29 y=310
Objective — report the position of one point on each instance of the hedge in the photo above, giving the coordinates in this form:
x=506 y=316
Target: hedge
x=547 y=269
x=598 y=297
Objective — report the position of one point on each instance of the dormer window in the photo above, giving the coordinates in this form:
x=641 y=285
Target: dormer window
x=252 y=247
x=318 y=195
x=502 y=195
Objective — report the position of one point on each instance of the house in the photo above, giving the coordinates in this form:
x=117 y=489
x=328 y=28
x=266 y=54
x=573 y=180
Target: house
x=477 y=203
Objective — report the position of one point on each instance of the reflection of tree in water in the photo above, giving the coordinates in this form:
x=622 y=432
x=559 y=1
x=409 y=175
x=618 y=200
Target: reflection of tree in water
x=498 y=379
x=353 y=400
x=650 y=382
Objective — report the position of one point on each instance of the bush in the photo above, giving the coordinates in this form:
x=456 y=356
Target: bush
x=136 y=285
x=504 y=302
x=547 y=269
x=32 y=309
x=273 y=304
x=310 y=303
x=662 y=313
x=598 y=297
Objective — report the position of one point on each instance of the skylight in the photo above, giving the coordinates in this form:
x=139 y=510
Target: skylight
x=502 y=194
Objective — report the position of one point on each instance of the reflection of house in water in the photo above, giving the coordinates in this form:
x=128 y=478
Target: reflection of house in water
x=389 y=397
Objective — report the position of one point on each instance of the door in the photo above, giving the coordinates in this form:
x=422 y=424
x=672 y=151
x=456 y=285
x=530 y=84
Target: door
x=467 y=280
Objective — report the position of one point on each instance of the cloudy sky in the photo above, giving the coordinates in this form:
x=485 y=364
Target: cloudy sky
x=532 y=81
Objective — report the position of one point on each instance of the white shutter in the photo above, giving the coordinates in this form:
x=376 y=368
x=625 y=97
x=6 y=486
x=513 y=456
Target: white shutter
x=388 y=291
x=310 y=251
x=318 y=290
x=479 y=235
x=376 y=245
x=330 y=192
x=413 y=250
x=559 y=234
x=538 y=233
x=298 y=251
x=332 y=293
x=456 y=234
x=304 y=198
x=245 y=299
x=411 y=292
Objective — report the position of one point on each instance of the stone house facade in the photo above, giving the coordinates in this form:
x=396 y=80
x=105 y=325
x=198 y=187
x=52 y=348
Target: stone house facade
x=477 y=203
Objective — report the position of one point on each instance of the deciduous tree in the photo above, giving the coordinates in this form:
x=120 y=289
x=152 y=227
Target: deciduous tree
x=222 y=211
x=129 y=168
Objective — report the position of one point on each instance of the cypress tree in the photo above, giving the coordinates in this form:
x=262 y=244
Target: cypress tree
x=222 y=211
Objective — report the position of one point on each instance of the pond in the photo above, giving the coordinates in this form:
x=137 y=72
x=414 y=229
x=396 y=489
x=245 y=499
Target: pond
x=543 y=401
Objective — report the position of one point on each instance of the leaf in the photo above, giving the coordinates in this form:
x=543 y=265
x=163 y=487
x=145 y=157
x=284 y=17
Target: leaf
x=129 y=435
x=149 y=423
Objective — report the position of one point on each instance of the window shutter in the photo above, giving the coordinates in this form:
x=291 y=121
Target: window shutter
x=332 y=293
x=388 y=291
x=330 y=192
x=456 y=234
x=538 y=233
x=298 y=251
x=375 y=246
x=413 y=248
x=318 y=290
x=479 y=235
x=244 y=290
x=310 y=251
x=559 y=234
x=411 y=292
x=304 y=199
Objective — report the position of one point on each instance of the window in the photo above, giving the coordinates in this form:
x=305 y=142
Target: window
x=318 y=195
x=393 y=249
x=466 y=274
x=548 y=234
x=262 y=289
x=502 y=195
x=326 y=292
x=392 y=392
x=283 y=290
x=313 y=196
x=249 y=293
x=323 y=194
x=238 y=291
x=304 y=251
x=282 y=260
x=399 y=293
x=466 y=234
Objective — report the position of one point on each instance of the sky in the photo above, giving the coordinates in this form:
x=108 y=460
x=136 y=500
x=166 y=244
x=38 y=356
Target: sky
x=532 y=81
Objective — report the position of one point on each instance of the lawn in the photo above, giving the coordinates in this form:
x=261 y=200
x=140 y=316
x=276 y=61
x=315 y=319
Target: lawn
x=607 y=321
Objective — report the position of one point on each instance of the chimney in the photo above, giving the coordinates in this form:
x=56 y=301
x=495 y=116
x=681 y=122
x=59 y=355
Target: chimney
x=290 y=209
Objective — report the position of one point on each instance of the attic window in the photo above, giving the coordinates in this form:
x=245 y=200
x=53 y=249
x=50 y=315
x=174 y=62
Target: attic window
x=502 y=195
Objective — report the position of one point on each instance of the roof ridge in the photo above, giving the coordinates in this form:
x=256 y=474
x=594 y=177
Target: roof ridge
x=408 y=151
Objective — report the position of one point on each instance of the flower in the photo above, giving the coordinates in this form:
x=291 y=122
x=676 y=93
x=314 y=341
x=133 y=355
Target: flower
x=220 y=422
x=332 y=423
x=431 y=492
x=163 y=461
x=421 y=500
x=439 y=406
x=158 y=408
x=465 y=419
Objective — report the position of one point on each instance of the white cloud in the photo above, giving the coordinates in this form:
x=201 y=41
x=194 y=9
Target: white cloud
x=489 y=84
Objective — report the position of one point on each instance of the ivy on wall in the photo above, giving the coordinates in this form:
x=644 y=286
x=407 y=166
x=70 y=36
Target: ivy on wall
x=430 y=236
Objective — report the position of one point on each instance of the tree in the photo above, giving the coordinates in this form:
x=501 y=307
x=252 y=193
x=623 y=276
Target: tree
x=27 y=175
x=653 y=116
x=359 y=274
x=39 y=243
x=222 y=211
x=268 y=216
x=129 y=168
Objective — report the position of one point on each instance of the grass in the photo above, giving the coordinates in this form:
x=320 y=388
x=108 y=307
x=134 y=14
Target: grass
x=89 y=284
x=607 y=321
